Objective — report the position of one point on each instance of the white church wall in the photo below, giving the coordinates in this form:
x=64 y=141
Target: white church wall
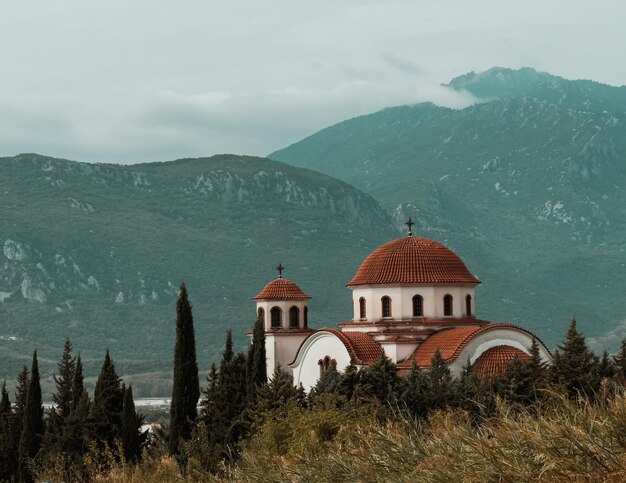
x=306 y=370
x=281 y=349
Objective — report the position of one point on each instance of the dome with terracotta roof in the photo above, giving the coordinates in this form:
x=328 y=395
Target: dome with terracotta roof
x=495 y=360
x=412 y=260
x=281 y=289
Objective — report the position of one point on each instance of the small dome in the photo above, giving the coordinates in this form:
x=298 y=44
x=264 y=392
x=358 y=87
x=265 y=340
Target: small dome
x=495 y=360
x=410 y=260
x=281 y=289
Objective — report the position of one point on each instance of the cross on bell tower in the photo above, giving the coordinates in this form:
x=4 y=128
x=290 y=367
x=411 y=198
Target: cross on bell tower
x=280 y=269
x=410 y=224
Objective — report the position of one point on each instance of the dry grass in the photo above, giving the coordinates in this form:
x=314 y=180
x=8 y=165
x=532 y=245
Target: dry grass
x=561 y=441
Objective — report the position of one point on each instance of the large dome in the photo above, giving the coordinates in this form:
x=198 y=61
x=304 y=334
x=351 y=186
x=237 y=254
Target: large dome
x=410 y=260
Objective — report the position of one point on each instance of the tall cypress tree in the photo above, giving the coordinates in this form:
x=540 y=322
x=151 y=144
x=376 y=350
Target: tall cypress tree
x=16 y=422
x=108 y=401
x=256 y=363
x=78 y=422
x=5 y=436
x=32 y=425
x=131 y=423
x=186 y=385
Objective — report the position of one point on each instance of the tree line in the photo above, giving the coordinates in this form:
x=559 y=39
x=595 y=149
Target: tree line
x=210 y=426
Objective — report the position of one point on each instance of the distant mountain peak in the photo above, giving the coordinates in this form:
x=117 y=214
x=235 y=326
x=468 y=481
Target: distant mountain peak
x=498 y=82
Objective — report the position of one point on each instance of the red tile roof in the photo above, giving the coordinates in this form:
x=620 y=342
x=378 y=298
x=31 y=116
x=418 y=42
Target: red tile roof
x=451 y=341
x=411 y=260
x=495 y=360
x=281 y=289
x=362 y=348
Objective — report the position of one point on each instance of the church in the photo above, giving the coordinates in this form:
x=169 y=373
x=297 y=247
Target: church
x=410 y=297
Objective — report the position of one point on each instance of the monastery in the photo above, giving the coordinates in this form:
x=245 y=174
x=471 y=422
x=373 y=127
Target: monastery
x=410 y=297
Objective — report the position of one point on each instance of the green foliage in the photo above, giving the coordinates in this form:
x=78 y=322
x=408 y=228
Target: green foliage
x=186 y=385
x=575 y=367
x=131 y=422
x=32 y=423
x=108 y=402
x=620 y=362
x=257 y=360
x=380 y=381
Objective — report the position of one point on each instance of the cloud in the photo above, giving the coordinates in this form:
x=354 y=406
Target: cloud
x=403 y=65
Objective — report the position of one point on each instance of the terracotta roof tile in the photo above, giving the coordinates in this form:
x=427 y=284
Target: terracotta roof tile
x=362 y=348
x=451 y=341
x=411 y=260
x=281 y=289
x=495 y=360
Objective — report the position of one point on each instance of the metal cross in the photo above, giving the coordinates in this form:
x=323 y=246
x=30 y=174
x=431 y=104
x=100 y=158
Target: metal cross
x=410 y=224
x=280 y=269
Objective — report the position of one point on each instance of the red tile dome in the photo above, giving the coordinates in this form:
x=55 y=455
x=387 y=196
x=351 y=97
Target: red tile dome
x=411 y=260
x=281 y=289
x=495 y=360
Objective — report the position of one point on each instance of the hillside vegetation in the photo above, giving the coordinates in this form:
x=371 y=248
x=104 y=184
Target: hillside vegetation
x=529 y=184
x=96 y=253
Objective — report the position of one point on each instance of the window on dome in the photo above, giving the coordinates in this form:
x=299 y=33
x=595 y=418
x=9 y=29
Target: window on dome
x=386 y=303
x=275 y=316
x=418 y=306
x=261 y=315
x=294 y=315
x=468 y=305
x=362 y=311
x=447 y=305
x=305 y=315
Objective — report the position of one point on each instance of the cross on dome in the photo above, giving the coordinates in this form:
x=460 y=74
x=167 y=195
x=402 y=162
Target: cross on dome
x=280 y=269
x=410 y=224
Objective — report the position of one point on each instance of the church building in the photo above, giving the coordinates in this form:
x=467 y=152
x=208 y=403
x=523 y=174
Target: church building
x=410 y=297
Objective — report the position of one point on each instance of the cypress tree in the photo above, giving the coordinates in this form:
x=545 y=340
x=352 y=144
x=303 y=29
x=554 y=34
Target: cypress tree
x=412 y=396
x=6 y=458
x=256 y=363
x=16 y=421
x=274 y=396
x=186 y=385
x=329 y=382
x=575 y=367
x=620 y=362
x=131 y=423
x=108 y=401
x=351 y=382
x=32 y=424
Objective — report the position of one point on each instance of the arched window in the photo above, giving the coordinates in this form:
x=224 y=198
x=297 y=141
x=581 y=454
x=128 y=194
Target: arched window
x=468 y=305
x=275 y=316
x=326 y=364
x=447 y=304
x=418 y=306
x=305 y=315
x=294 y=315
x=362 y=311
x=386 y=303
x=261 y=315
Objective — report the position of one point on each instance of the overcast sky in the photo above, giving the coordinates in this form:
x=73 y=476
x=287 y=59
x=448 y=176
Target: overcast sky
x=133 y=81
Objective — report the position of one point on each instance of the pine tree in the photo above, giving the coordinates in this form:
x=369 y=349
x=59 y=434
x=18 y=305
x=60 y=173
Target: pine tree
x=131 y=422
x=381 y=380
x=517 y=385
x=351 y=382
x=413 y=393
x=108 y=401
x=78 y=421
x=257 y=360
x=439 y=390
x=329 y=382
x=620 y=362
x=32 y=425
x=575 y=367
x=186 y=385
x=537 y=370
x=63 y=399
x=606 y=368
x=277 y=394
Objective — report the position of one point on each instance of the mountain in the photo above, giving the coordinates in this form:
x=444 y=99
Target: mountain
x=529 y=184
x=96 y=252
